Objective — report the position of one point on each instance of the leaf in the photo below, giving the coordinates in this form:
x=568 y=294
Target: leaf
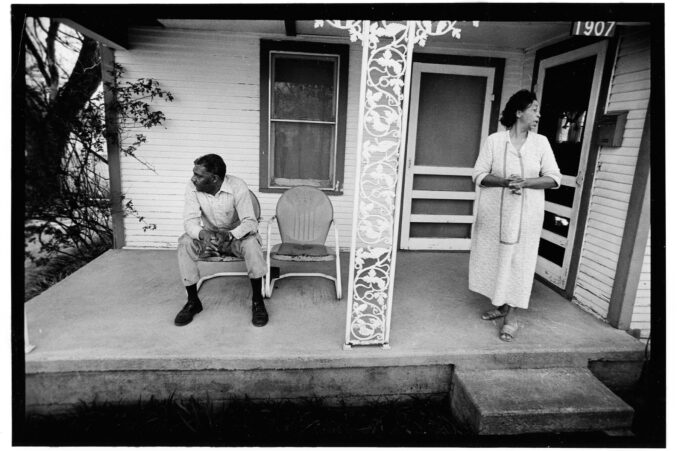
x=393 y=28
x=367 y=331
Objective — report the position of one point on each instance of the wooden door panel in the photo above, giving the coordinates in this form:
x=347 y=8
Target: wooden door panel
x=449 y=118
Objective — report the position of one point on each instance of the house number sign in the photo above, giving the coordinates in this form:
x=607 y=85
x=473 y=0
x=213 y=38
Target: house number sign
x=592 y=28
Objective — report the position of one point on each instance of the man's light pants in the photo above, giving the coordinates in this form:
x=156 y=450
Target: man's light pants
x=249 y=248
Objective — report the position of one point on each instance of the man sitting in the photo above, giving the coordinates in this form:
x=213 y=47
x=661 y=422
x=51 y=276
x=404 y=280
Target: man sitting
x=219 y=219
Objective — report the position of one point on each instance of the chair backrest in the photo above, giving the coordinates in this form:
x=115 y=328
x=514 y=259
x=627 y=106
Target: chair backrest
x=304 y=215
x=255 y=204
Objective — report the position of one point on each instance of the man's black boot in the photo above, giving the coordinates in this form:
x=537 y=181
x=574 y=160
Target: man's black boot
x=186 y=314
x=259 y=313
x=192 y=307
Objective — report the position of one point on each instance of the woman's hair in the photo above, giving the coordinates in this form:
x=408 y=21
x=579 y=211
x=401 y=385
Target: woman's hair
x=212 y=163
x=519 y=101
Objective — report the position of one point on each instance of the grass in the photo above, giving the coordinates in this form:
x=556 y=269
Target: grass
x=245 y=423
x=189 y=422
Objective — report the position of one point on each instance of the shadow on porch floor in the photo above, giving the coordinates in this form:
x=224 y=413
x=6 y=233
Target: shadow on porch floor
x=117 y=314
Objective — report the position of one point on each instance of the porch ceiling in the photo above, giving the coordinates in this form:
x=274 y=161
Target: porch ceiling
x=506 y=35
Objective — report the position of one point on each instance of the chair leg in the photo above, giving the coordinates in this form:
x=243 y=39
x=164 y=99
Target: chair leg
x=269 y=280
x=339 y=291
x=271 y=285
x=267 y=286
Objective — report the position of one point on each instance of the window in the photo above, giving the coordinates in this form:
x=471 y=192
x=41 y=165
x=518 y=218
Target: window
x=303 y=115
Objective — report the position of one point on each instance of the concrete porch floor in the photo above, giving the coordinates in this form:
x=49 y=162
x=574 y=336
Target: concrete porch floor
x=115 y=316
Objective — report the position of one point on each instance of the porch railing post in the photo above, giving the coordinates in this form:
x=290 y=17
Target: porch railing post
x=363 y=82
x=384 y=92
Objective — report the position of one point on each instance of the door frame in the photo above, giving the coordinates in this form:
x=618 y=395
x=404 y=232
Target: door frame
x=559 y=276
x=406 y=242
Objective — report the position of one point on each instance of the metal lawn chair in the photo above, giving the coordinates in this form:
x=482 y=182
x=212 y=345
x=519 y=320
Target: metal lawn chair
x=257 y=212
x=304 y=216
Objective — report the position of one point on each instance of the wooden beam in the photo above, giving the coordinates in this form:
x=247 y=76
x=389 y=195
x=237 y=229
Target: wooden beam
x=119 y=42
x=290 y=27
x=113 y=144
x=635 y=235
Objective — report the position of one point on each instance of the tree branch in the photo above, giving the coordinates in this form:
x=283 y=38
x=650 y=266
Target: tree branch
x=51 y=59
x=30 y=46
x=82 y=84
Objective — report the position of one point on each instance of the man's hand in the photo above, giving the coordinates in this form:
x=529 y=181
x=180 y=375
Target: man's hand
x=224 y=236
x=209 y=239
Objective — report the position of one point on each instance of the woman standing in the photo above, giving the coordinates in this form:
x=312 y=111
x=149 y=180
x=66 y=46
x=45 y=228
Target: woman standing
x=511 y=172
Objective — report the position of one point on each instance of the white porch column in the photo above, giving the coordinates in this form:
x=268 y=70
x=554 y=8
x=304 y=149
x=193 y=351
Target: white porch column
x=384 y=95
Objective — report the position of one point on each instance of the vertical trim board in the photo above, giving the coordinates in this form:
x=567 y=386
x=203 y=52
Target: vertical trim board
x=112 y=148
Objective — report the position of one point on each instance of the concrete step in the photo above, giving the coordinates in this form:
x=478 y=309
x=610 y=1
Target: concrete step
x=521 y=401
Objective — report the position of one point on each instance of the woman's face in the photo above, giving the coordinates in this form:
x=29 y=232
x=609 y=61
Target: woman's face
x=530 y=115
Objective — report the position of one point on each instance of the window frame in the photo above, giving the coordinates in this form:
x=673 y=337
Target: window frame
x=305 y=49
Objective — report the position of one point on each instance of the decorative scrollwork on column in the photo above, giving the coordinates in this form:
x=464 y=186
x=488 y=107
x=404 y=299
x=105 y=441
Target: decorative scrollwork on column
x=388 y=58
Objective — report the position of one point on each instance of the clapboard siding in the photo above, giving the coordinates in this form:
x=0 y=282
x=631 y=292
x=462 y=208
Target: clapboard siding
x=641 y=315
x=612 y=184
x=214 y=77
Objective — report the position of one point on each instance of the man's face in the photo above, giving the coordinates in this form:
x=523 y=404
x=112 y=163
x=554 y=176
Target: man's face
x=204 y=181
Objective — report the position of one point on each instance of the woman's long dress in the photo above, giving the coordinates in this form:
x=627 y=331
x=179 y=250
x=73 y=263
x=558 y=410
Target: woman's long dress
x=507 y=228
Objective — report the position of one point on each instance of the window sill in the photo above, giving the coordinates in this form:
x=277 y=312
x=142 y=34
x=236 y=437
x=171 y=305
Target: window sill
x=328 y=192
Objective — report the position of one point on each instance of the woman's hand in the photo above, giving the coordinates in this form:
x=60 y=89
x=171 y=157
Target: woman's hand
x=516 y=183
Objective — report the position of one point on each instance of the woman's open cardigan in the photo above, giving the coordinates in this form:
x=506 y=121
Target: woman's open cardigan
x=507 y=228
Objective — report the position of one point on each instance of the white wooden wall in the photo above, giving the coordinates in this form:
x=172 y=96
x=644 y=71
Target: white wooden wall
x=630 y=87
x=214 y=77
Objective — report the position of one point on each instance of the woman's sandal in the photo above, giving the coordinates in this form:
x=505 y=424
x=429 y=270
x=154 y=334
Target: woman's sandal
x=508 y=332
x=492 y=314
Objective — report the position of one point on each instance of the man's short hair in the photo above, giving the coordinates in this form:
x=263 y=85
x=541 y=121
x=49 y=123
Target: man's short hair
x=212 y=163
